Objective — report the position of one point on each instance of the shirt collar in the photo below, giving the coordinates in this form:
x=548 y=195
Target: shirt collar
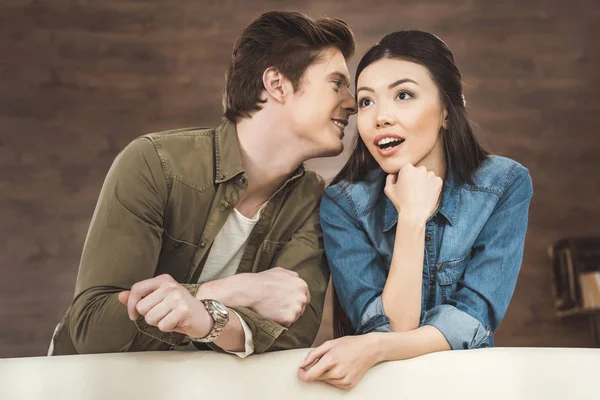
x=229 y=157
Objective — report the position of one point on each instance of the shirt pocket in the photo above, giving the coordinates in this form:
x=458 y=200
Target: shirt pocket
x=267 y=253
x=176 y=258
x=449 y=275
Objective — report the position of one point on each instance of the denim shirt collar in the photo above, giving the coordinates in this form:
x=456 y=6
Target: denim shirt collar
x=448 y=207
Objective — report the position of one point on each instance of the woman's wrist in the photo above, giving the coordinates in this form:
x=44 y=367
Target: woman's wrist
x=411 y=219
x=377 y=346
x=411 y=224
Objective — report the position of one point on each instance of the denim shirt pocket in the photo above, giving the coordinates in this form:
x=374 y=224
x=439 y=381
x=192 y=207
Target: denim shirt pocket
x=449 y=274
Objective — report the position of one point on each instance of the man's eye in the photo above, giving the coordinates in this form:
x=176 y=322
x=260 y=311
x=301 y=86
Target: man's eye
x=338 y=84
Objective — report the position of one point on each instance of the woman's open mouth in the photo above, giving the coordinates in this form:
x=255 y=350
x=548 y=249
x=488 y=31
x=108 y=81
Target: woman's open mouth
x=388 y=143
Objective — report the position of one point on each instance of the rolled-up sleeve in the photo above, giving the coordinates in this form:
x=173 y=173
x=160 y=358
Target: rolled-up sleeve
x=374 y=319
x=472 y=313
x=461 y=330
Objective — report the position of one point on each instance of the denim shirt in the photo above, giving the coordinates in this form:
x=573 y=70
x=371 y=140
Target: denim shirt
x=473 y=250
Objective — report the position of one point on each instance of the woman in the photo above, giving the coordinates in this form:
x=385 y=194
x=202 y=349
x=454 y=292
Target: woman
x=423 y=229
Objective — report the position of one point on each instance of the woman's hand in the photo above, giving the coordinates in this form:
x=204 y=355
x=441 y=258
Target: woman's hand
x=414 y=191
x=341 y=362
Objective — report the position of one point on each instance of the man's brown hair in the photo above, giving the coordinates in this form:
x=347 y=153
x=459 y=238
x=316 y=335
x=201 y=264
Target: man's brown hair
x=286 y=41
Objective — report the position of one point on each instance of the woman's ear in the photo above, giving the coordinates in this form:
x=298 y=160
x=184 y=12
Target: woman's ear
x=275 y=84
x=445 y=119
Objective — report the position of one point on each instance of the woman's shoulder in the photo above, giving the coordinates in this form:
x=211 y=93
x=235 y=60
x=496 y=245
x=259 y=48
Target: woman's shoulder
x=496 y=174
x=356 y=196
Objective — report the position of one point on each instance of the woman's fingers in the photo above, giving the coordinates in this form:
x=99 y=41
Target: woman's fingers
x=317 y=353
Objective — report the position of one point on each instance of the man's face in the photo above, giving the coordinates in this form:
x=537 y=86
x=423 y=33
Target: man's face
x=318 y=112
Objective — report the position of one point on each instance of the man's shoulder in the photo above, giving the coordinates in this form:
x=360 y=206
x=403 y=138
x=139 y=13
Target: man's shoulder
x=180 y=133
x=310 y=187
x=178 y=143
x=186 y=154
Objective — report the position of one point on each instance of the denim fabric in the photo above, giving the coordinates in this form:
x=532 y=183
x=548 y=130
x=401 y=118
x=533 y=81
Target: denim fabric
x=473 y=250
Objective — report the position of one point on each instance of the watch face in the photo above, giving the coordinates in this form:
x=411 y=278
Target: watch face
x=220 y=309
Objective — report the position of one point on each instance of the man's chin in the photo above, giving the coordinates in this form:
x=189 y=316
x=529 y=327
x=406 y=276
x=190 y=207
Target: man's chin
x=334 y=150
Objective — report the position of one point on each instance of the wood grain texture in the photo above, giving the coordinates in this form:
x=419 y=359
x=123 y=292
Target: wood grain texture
x=80 y=79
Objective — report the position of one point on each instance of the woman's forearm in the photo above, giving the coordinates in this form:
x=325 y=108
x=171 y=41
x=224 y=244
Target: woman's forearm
x=402 y=292
x=392 y=346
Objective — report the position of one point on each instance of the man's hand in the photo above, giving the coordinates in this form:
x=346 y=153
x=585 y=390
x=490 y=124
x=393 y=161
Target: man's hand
x=278 y=294
x=281 y=295
x=167 y=305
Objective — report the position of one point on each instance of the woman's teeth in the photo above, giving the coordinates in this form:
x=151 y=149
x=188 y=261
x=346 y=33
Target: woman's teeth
x=388 y=143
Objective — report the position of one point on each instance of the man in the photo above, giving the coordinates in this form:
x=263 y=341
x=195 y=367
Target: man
x=212 y=236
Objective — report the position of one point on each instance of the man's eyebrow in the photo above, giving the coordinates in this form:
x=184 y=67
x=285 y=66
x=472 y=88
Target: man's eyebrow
x=342 y=77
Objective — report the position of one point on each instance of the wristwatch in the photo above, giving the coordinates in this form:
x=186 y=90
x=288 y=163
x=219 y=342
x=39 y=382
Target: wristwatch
x=220 y=316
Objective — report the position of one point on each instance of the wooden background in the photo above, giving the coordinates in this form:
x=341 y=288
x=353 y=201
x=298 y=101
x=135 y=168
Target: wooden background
x=80 y=79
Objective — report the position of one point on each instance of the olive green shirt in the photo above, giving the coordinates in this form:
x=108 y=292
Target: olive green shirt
x=163 y=202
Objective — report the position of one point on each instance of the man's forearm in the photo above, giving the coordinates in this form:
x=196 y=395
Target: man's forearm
x=232 y=338
x=230 y=291
x=98 y=323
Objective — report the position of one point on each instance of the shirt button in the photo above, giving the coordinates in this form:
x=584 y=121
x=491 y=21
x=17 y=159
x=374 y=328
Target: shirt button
x=176 y=245
x=487 y=333
x=203 y=244
x=226 y=204
x=427 y=238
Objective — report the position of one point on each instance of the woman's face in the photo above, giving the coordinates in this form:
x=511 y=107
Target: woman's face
x=400 y=115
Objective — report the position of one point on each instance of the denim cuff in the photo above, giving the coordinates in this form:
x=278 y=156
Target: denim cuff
x=461 y=330
x=374 y=318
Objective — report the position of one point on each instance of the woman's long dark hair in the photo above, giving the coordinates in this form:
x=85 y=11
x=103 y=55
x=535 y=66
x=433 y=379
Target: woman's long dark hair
x=462 y=151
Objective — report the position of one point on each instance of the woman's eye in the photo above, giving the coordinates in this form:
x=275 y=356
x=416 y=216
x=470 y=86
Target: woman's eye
x=337 y=84
x=404 y=96
x=364 y=102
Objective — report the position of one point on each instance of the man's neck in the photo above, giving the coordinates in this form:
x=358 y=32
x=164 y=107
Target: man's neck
x=269 y=154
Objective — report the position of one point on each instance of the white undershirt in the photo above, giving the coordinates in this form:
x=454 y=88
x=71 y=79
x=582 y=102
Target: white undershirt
x=224 y=259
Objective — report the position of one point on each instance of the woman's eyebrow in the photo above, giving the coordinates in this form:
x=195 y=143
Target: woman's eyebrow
x=391 y=86
x=400 y=82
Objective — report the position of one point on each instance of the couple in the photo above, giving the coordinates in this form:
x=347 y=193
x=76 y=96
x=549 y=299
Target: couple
x=221 y=239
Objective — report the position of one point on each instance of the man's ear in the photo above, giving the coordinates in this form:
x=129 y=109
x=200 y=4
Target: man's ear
x=276 y=85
